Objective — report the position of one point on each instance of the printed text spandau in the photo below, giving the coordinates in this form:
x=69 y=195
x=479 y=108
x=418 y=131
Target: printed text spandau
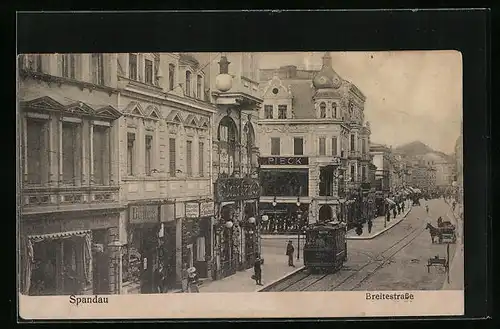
x=87 y=300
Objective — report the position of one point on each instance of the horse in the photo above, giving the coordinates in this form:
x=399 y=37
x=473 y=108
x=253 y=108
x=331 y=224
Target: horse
x=434 y=232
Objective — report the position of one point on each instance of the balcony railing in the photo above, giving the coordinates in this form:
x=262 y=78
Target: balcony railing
x=75 y=195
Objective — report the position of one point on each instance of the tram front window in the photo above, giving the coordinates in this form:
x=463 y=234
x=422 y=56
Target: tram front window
x=318 y=239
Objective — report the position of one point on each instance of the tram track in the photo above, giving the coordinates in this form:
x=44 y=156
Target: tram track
x=303 y=280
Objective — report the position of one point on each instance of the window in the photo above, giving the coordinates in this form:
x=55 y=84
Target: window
x=71 y=152
x=97 y=69
x=68 y=66
x=189 y=158
x=200 y=249
x=171 y=159
x=298 y=146
x=147 y=161
x=132 y=66
x=34 y=63
x=268 y=111
x=171 y=76
x=201 y=167
x=275 y=146
x=353 y=173
x=223 y=133
x=363 y=173
x=199 y=92
x=130 y=153
x=148 y=71
x=334 y=146
x=100 y=143
x=363 y=146
x=188 y=83
x=37 y=149
x=281 y=111
x=322 y=110
x=352 y=143
x=334 y=110
x=322 y=146
x=285 y=182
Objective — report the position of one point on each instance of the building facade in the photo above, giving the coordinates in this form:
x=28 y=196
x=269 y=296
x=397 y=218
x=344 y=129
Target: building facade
x=313 y=143
x=70 y=205
x=423 y=176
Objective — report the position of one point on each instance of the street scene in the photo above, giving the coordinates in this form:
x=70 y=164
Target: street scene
x=164 y=173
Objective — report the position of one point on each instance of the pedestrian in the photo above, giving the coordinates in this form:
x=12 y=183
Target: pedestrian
x=394 y=212
x=257 y=269
x=192 y=280
x=289 y=252
x=427 y=208
x=159 y=278
x=403 y=206
x=454 y=204
x=184 y=278
x=370 y=224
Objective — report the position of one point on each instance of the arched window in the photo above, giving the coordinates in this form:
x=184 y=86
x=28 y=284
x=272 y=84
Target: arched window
x=227 y=136
x=322 y=110
x=334 y=110
x=188 y=83
x=198 y=87
x=171 y=76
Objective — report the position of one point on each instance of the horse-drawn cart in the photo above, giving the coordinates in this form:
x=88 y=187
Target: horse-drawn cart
x=447 y=232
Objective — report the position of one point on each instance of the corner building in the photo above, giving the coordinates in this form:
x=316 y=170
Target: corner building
x=313 y=141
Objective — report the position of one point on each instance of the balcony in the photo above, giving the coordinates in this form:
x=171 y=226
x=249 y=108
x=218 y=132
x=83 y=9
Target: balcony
x=354 y=155
x=47 y=199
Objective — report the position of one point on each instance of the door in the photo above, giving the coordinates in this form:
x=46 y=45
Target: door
x=200 y=257
x=148 y=260
x=100 y=270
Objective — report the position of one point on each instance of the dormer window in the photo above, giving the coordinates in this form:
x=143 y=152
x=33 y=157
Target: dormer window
x=322 y=110
x=268 y=111
x=281 y=111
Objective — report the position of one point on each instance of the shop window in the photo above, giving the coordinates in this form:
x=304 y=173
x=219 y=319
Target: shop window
x=71 y=153
x=172 y=157
x=132 y=66
x=68 y=64
x=171 y=76
x=275 y=146
x=37 y=151
x=148 y=71
x=130 y=153
x=322 y=146
x=101 y=155
x=189 y=158
x=284 y=182
x=298 y=146
x=98 y=69
x=281 y=111
x=147 y=153
x=268 y=111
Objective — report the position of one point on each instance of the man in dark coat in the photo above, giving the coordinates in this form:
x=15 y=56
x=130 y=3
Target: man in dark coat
x=289 y=252
x=257 y=269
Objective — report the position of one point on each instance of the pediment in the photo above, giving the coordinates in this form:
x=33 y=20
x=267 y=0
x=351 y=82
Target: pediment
x=134 y=108
x=174 y=116
x=191 y=120
x=108 y=112
x=153 y=112
x=203 y=123
x=79 y=108
x=43 y=103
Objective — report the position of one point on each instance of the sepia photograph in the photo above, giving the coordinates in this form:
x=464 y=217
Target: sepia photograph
x=267 y=184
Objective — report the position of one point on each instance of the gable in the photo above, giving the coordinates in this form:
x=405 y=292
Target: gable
x=79 y=108
x=153 y=112
x=174 y=116
x=134 y=108
x=44 y=103
x=191 y=120
x=108 y=112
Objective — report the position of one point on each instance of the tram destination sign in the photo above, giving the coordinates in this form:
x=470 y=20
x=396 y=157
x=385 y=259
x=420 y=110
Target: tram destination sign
x=284 y=161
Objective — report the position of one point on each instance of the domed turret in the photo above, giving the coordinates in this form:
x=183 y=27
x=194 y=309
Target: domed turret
x=224 y=81
x=327 y=78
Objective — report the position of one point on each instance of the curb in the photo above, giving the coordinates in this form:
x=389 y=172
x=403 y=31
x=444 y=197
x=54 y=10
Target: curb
x=272 y=283
x=383 y=231
x=282 y=237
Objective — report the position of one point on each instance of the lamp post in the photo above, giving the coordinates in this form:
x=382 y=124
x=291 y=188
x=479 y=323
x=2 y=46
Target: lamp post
x=251 y=221
x=263 y=218
x=299 y=216
x=274 y=211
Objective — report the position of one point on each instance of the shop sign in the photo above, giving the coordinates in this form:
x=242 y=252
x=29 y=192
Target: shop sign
x=139 y=214
x=192 y=210
x=233 y=189
x=206 y=209
x=284 y=161
x=167 y=212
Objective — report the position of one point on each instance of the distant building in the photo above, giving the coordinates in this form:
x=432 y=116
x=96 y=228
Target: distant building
x=423 y=176
x=314 y=144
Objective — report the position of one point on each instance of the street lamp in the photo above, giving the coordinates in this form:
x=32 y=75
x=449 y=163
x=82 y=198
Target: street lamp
x=299 y=216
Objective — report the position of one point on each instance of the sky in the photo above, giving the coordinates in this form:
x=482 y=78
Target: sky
x=410 y=95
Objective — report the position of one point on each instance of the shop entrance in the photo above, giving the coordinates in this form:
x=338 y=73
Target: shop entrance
x=169 y=259
x=100 y=264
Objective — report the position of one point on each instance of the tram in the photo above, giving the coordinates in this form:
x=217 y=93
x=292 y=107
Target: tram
x=325 y=247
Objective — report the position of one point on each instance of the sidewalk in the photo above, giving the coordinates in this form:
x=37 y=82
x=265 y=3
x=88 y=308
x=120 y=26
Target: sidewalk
x=378 y=226
x=274 y=268
x=457 y=262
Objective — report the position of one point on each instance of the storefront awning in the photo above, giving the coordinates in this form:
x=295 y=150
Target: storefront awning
x=59 y=235
x=390 y=201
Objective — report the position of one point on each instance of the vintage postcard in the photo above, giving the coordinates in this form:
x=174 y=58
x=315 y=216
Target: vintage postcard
x=240 y=185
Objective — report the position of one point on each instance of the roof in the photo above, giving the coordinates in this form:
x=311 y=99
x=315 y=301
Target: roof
x=302 y=103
